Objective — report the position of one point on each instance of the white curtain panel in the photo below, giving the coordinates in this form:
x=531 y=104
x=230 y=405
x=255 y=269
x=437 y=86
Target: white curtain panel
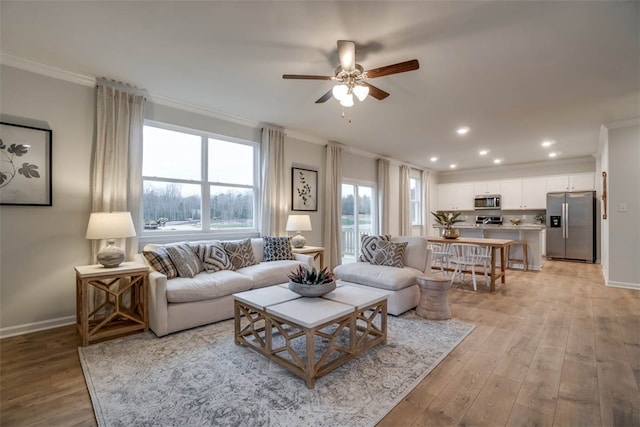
x=384 y=206
x=333 y=206
x=425 y=185
x=116 y=180
x=405 y=200
x=273 y=205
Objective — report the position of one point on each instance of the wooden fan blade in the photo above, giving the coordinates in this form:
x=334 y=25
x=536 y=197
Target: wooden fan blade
x=325 y=97
x=377 y=93
x=305 y=77
x=400 y=67
x=347 y=54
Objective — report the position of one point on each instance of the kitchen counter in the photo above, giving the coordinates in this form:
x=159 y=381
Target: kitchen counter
x=533 y=234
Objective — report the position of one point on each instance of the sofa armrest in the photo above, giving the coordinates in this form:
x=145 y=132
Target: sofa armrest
x=158 y=304
x=307 y=259
x=429 y=260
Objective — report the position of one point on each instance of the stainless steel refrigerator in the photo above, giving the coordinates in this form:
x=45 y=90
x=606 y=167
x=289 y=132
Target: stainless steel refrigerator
x=571 y=228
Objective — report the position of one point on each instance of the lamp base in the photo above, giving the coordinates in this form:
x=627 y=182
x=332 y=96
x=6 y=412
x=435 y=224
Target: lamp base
x=298 y=241
x=110 y=256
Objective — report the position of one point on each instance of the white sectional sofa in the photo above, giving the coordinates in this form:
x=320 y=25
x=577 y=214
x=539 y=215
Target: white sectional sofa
x=183 y=302
x=400 y=284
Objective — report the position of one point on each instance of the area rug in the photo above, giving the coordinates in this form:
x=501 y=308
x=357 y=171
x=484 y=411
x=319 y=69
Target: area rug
x=200 y=377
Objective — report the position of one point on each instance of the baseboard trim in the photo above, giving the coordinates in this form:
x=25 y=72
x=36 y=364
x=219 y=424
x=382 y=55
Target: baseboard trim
x=12 y=331
x=634 y=286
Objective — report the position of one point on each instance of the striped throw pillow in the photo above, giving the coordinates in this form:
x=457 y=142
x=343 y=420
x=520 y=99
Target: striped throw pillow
x=160 y=261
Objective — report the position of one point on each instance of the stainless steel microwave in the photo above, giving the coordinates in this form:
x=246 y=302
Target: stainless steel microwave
x=487 y=202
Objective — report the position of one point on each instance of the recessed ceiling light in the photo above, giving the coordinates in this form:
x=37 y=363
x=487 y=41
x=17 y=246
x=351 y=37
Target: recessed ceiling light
x=453 y=166
x=484 y=152
x=497 y=161
x=548 y=143
x=553 y=154
x=434 y=159
x=463 y=130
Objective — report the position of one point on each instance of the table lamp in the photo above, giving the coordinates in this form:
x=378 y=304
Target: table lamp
x=298 y=223
x=110 y=226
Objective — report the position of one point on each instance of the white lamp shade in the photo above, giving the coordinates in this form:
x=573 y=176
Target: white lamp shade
x=361 y=91
x=347 y=100
x=110 y=225
x=298 y=223
x=339 y=91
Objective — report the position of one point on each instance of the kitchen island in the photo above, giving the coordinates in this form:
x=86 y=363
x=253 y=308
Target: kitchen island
x=533 y=234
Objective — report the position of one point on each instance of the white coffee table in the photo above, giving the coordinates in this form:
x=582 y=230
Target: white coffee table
x=336 y=327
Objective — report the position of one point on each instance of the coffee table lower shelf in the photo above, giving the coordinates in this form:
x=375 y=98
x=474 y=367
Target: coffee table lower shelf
x=310 y=350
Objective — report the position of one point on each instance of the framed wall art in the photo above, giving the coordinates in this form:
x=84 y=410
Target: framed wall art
x=25 y=165
x=304 y=190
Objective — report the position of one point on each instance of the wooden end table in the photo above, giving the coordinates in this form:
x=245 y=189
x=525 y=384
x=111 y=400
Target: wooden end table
x=124 y=309
x=433 y=303
x=316 y=251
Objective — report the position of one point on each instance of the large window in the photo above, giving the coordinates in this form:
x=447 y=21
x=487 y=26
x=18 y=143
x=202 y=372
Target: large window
x=358 y=217
x=197 y=181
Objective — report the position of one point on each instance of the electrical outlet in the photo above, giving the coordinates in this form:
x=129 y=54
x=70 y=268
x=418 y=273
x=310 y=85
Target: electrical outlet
x=622 y=207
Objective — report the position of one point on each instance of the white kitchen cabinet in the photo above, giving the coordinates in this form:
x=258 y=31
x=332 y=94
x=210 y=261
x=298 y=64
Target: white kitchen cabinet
x=511 y=192
x=526 y=193
x=481 y=188
x=534 y=193
x=456 y=196
x=575 y=182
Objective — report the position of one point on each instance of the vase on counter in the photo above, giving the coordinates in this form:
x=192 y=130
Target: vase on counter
x=450 y=233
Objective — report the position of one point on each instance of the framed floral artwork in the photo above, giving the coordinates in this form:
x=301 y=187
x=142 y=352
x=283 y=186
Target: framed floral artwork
x=25 y=165
x=304 y=190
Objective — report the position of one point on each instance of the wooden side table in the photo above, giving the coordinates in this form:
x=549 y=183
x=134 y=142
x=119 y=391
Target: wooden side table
x=433 y=303
x=316 y=251
x=124 y=308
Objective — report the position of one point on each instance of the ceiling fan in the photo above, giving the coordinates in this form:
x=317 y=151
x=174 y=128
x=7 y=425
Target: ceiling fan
x=352 y=79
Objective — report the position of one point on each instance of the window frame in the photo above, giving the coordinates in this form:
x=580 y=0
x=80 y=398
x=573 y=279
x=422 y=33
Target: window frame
x=205 y=186
x=415 y=175
x=375 y=227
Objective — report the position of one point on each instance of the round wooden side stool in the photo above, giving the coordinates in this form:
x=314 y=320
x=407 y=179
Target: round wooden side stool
x=433 y=303
x=524 y=260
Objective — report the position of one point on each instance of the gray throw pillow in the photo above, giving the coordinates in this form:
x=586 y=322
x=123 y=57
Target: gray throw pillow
x=240 y=253
x=277 y=248
x=185 y=259
x=390 y=254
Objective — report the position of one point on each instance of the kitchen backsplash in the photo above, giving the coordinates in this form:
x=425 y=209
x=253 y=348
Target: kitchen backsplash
x=527 y=217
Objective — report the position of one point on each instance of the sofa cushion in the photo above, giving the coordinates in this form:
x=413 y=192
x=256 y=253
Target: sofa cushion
x=277 y=248
x=369 y=245
x=185 y=259
x=204 y=286
x=213 y=256
x=240 y=253
x=269 y=273
x=159 y=259
x=377 y=276
x=389 y=253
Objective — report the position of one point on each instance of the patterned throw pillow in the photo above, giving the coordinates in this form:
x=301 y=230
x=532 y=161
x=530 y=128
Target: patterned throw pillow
x=277 y=248
x=368 y=246
x=213 y=256
x=185 y=259
x=161 y=262
x=389 y=253
x=240 y=253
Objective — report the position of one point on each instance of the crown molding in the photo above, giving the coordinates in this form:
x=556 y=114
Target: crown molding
x=46 y=70
x=634 y=121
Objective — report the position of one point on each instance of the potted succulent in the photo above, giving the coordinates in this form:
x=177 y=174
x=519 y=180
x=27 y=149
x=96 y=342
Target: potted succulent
x=447 y=219
x=311 y=282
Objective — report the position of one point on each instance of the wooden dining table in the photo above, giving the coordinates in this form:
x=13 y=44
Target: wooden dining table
x=497 y=246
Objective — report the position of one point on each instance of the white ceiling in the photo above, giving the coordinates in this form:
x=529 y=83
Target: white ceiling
x=515 y=72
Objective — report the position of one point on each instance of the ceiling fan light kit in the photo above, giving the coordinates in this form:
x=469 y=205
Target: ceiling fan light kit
x=351 y=79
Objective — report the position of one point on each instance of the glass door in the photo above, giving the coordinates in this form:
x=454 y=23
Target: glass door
x=358 y=217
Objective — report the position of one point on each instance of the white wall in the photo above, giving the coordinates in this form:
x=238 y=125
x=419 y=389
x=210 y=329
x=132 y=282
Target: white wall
x=39 y=246
x=624 y=206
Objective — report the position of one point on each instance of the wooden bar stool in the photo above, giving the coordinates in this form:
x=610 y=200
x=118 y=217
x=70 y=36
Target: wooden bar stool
x=524 y=260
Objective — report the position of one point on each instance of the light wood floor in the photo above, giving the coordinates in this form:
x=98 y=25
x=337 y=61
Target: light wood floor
x=554 y=347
